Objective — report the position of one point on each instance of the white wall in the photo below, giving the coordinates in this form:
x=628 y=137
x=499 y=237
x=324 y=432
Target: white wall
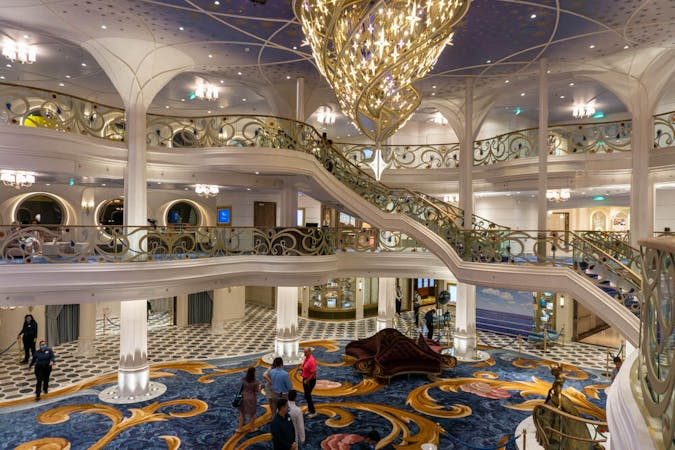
x=242 y=205
x=518 y=213
x=664 y=209
x=11 y=322
x=312 y=208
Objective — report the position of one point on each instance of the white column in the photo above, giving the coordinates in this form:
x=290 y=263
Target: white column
x=182 y=310
x=642 y=186
x=542 y=146
x=287 y=341
x=564 y=311
x=359 y=298
x=134 y=373
x=85 y=341
x=466 y=159
x=288 y=216
x=465 y=321
x=135 y=180
x=304 y=300
x=229 y=305
x=300 y=99
x=386 y=303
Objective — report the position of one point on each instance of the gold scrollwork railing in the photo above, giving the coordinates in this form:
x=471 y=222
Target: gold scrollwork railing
x=616 y=244
x=664 y=125
x=657 y=335
x=567 y=431
x=436 y=156
x=90 y=244
x=37 y=108
x=505 y=147
x=605 y=137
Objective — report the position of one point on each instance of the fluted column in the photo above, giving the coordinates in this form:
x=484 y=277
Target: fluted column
x=465 y=321
x=466 y=158
x=87 y=328
x=359 y=298
x=386 y=303
x=135 y=179
x=642 y=185
x=300 y=99
x=229 y=305
x=542 y=152
x=288 y=216
x=286 y=343
x=304 y=300
x=134 y=373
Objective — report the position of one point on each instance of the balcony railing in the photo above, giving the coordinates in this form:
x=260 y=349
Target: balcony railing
x=657 y=337
x=91 y=244
x=33 y=107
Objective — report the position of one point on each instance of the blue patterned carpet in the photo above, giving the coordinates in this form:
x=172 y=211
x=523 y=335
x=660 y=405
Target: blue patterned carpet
x=477 y=404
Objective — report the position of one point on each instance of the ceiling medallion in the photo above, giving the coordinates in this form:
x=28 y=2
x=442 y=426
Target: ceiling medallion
x=207 y=190
x=19 y=51
x=17 y=179
x=371 y=52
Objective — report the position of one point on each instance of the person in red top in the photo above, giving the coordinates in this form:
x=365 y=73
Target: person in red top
x=309 y=380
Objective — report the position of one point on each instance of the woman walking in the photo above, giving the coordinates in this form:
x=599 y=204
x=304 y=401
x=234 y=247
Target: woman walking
x=249 y=399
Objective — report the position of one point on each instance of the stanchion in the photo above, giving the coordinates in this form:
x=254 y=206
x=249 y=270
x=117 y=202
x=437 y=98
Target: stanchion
x=545 y=339
x=520 y=344
x=524 y=439
x=607 y=356
x=105 y=319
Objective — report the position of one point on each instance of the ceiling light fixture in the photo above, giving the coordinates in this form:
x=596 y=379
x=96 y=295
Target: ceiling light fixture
x=533 y=16
x=19 y=51
x=17 y=179
x=439 y=119
x=558 y=195
x=371 y=53
x=325 y=115
x=207 y=190
x=206 y=91
x=583 y=111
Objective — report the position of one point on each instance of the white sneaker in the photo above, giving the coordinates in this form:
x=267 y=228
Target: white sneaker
x=312 y=415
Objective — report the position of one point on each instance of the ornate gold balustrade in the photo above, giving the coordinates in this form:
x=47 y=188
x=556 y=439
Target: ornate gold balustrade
x=505 y=147
x=89 y=244
x=438 y=156
x=664 y=125
x=604 y=137
x=657 y=336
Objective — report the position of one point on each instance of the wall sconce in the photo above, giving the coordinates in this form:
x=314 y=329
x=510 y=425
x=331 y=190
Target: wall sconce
x=360 y=285
x=87 y=206
x=562 y=301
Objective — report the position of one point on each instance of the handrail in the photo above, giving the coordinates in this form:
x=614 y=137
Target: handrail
x=610 y=257
x=544 y=432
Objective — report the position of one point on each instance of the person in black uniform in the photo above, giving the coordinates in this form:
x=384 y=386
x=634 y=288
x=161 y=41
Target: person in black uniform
x=29 y=332
x=43 y=360
x=429 y=319
x=283 y=432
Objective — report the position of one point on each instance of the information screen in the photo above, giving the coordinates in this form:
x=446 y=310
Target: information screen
x=225 y=216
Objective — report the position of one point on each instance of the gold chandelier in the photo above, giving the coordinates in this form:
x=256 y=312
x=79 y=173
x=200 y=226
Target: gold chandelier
x=371 y=51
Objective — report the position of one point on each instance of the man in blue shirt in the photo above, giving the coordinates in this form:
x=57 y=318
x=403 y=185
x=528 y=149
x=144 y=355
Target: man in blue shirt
x=281 y=382
x=283 y=432
x=43 y=360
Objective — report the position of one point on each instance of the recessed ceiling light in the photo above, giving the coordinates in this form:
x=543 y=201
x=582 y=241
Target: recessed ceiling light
x=103 y=27
x=257 y=173
x=571 y=84
x=61 y=84
x=25 y=36
x=84 y=64
x=548 y=71
x=591 y=46
x=159 y=182
x=222 y=81
x=210 y=55
x=167 y=106
x=562 y=96
x=433 y=94
x=215 y=3
x=182 y=99
x=48 y=184
x=488 y=61
x=246 y=49
x=103 y=184
x=8 y=65
x=243 y=99
x=625 y=47
x=295 y=47
x=248 y=189
x=68 y=76
x=181 y=28
x=2 y=77
x=506 y=81
x=208 y=112
x=533 y=16
x=288 y=77
x=522 y=94
x=222 y=107
x=239 y=73
x=433 y=87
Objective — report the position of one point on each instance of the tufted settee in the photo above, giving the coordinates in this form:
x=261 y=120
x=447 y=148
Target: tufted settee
x=389 y=353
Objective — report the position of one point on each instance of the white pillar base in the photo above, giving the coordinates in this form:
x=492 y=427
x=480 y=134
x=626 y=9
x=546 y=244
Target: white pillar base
x=381 y=324
x=112 y=394
x=464 y=344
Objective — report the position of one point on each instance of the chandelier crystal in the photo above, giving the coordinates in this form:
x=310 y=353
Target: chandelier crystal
x=371 y=52
x=17 y=179
x=206 y=91
x=558 y=195
x=583 y=111
x=207 y=190
x=19 y=51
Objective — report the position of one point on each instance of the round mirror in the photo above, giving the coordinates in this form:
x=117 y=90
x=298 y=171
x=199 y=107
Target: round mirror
x=182 y=213
x=40 y=210
x=112 y=213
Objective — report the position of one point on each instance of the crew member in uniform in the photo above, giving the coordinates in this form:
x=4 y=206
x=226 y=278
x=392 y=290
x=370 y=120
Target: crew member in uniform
x=29 y=332
x=43 y=360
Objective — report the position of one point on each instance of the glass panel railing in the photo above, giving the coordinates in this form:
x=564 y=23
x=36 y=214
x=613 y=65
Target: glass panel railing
x=505 y=147
x=36 y=108
x=664 y=129
x=436 y=156
x=657 y=338
x=90 y=244
x=606 y=137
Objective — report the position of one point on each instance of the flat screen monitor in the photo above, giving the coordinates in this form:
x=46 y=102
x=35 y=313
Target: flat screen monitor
x=225 y=215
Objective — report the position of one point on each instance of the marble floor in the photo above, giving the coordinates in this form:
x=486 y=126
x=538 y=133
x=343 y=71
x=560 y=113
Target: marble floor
x=255 y=335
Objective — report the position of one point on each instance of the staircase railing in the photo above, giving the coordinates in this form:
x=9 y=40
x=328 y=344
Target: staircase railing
x=561 y=435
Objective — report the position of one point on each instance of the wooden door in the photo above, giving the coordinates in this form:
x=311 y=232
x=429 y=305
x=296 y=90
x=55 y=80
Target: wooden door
x=265 y=214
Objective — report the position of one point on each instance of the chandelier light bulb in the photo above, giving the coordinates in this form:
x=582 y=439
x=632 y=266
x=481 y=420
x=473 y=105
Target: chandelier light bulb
x=558 y=195
x=19 y=51
x=207 y=190
x=17 y=179
x=583 y=111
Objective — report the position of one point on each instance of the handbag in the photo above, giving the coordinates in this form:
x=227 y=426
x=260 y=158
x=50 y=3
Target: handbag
x=236 y=401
